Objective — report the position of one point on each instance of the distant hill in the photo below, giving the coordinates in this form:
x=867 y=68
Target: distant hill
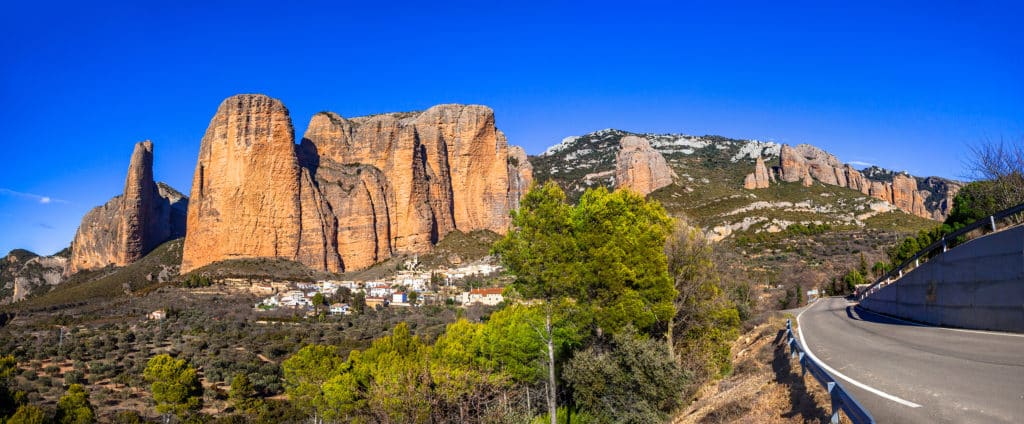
x=23 y=272
x=708 y=190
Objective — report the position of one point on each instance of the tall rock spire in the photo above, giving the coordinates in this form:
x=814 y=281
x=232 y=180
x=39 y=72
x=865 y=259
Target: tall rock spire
x=131 y=225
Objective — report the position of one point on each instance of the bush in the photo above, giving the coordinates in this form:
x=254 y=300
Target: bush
x=632 y=380
x=196 y=280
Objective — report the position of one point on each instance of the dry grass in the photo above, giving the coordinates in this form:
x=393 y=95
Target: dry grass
x=766 y=386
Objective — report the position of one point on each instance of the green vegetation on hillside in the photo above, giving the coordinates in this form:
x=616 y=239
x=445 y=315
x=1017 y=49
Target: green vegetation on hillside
x=600 y=302
x=157 y=267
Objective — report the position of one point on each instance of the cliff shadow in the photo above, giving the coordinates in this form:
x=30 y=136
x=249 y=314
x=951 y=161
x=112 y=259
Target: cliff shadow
x=309 y=156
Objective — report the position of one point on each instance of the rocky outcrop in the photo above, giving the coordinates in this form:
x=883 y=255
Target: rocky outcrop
x=939 y=194
x=807 y=181
x=856 y=181
x=807 y=163
x=906 y=196
x=362 y=197
x=640 y=168
x=23 y=273
x=355 y=191
x=792 y=167
x=881 y=190
x=759 y=178
x=246 y=200
x=520 y=175
x=820 y=164
x=131 y=225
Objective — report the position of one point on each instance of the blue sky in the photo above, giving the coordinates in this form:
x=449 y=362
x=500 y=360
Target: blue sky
x=903 y=86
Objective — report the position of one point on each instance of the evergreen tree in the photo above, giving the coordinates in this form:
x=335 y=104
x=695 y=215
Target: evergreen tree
x=175 y=386
x=74 y=407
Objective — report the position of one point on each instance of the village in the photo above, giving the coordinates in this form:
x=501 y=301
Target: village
x=407 y=288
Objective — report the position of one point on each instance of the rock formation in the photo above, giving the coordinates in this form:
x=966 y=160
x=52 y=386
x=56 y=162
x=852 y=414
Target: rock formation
x=355 y=192
x=129 y=226
x=807 y=163
x=820 y=164
x=855 y=180
x=640 y=168
x=759 y=178
x=246 y=200
x=520 y=175
x=906 y=197
x=23 y=273
x=938 y=194
x=793 y=166
x=807 y=181
x=881 y=190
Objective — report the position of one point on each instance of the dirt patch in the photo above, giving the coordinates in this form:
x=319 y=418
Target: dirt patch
x=766 y=385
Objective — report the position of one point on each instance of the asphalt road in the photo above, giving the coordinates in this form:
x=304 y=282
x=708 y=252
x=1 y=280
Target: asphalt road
x=907 y=373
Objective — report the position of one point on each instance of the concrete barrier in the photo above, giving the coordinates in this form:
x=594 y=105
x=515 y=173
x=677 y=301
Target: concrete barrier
x=977 y=285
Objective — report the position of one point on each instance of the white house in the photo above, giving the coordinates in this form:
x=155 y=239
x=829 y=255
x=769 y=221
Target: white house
x=398 y=298
x=339 y=309
x=294 y=298
x=381 y=291
x=488 y=296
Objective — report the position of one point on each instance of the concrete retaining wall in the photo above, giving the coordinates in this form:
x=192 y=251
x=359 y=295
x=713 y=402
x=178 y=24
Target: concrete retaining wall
x=977 y=285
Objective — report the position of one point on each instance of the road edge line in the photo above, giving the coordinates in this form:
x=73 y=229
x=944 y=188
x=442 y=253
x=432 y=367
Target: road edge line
x=830 y=370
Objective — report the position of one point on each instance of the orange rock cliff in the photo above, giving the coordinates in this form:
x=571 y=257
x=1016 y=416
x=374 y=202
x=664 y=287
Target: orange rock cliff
x=354 y=192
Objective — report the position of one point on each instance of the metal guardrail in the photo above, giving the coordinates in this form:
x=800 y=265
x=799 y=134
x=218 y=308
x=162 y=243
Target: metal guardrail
x=943 y=243
x=841 y=399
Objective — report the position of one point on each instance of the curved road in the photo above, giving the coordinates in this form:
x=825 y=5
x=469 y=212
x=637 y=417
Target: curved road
x=909 y=373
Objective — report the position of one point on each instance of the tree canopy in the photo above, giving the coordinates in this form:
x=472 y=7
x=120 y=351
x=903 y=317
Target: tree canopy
x=605 y=253
x=74 y=407
x=175 y=385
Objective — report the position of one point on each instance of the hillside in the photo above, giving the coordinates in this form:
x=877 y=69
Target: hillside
x=23 y=273
x=159 y=266
x=836 y=224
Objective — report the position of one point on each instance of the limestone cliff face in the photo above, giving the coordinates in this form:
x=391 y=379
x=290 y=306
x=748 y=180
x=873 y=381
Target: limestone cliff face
x=820 y=164
x=807 y=163
x=938 y=194
x=129 y=226
x=362 y=197
x=793 y=166
x=246 y=198
x=23 y=273
x=445 y=168
x=520 y=175
x=906 y=196
x=354 y=192
x=855 y=180
x=97 y=241
x=318 y=234
x=640 y=168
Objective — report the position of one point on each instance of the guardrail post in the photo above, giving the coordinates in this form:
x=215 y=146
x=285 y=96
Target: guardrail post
x=944 y=245
x=835 y=402
x=803 y=365
x=917 y=263
x=992 y=221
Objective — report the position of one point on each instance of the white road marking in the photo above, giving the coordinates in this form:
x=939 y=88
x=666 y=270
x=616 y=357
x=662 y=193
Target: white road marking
x=917 y=324
x=830 y=370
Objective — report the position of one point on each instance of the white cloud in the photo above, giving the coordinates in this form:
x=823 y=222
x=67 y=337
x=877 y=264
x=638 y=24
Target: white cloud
x=860 y=163
x=37 y=197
